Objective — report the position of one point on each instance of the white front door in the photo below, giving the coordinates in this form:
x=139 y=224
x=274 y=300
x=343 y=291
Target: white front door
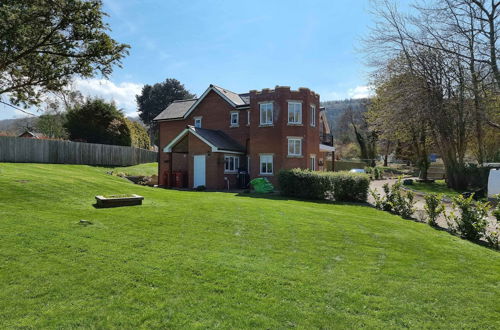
x=199 y=171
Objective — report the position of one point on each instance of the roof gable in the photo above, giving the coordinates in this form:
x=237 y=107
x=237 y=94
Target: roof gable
x=182 y=109
x=217 y=140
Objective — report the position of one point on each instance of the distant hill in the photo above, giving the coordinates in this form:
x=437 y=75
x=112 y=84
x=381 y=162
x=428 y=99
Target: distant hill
x=17 y=125
x=335 y=109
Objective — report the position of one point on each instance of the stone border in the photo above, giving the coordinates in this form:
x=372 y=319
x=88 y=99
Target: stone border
x=103 y=202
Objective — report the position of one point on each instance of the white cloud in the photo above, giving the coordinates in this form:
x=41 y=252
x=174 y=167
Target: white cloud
x=123 y=93
x=360 y=92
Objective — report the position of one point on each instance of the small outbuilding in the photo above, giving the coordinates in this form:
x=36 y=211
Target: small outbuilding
x=32 y=135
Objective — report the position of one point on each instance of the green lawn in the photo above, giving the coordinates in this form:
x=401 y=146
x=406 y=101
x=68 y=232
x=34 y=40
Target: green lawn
x=200 y=259
x=438 y=187
x=147 y=169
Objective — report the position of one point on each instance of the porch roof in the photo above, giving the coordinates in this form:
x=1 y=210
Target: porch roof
x=218 y=140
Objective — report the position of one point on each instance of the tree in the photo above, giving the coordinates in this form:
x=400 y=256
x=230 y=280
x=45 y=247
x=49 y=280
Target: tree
x=453 y=60
x=397 y=114
x=156 y=98
x=139 y=134
x=51 y=124
x=354 y=122
x=97 y=121
x=45 y=43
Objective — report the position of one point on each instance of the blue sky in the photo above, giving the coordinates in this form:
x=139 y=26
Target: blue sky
x=240 y=45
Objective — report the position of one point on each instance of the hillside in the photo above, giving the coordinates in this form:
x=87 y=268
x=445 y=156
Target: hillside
x=18 y=125
x=210 y=259
x=335 y=109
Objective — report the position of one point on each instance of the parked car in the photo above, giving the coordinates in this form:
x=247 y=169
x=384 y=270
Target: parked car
x=357 y=170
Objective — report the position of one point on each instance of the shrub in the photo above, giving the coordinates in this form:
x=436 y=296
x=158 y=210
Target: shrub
x=493 y=237
x=376 y=173
x=472 y=221
x=341 y=186
x=379 y=200
x=395 y=200
x=496 y=211
x=200 y=188
x=433 y=207
x=477 y=177
x=304 y=184
x=408 y=182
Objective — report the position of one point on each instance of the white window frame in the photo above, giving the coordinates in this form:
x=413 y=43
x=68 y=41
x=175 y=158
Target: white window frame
x=234 y=114
x=264 y=158
x=268 y=108
x=295 y=109
x=248 y=117
x=313 y=116
x=292 y=141
x=235 y=163
x=197 y=119
x=312 y=162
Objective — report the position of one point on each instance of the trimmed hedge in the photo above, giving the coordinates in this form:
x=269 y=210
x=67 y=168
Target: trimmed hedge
x=341 y=186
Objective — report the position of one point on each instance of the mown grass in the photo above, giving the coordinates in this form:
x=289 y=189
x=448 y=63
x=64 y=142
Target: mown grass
x=204 y=260
x=437 y=187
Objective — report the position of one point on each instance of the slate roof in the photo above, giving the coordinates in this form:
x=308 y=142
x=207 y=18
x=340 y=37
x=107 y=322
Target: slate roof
x=234 y=97
x=176 y=109
x=218 y=138
x=245 y=97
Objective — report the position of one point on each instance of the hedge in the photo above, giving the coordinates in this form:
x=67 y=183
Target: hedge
x=340 y=186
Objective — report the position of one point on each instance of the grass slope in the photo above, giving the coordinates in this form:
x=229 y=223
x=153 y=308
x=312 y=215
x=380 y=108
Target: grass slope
x=198 y=259
x=146 y=169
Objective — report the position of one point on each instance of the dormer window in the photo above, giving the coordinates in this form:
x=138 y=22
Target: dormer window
x=294 y=113
x=235 y=119
x=197 y=122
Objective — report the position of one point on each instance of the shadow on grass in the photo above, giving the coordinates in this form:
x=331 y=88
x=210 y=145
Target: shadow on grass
x=278 y=197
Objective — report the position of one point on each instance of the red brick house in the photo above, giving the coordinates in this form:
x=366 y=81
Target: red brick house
x=208 y=141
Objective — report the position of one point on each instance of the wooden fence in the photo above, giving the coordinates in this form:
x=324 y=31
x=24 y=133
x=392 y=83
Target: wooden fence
x=26 y=150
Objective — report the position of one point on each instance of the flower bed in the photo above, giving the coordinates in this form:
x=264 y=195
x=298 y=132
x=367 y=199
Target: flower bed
x=118 y=200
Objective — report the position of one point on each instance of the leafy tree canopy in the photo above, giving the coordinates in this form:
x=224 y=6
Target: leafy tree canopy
x=44 y=43
x=97 y=121
x=154 y=99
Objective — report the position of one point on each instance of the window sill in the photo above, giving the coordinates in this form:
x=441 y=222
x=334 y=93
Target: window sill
x=294 y=156
x=232 y=172
x=295 y=124
x=234 y=126
x=266 y=125
x=266 y=174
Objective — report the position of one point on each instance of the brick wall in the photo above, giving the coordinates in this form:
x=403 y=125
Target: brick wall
x=274 y=139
